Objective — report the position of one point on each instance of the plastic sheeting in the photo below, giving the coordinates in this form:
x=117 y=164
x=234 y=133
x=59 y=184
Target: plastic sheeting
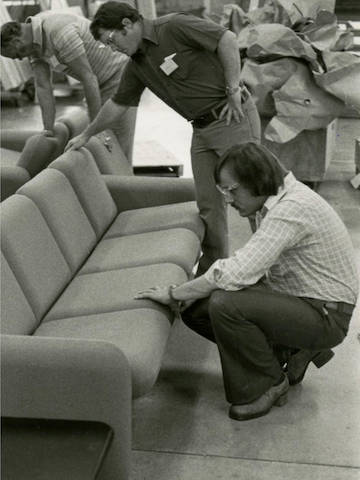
x=292 y=63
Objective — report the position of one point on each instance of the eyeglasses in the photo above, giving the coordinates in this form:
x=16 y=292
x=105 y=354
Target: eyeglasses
x=109 y=39
x=226 y=191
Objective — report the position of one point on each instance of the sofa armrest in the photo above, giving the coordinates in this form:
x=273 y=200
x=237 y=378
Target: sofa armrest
x=140 y=192
x=63 y=378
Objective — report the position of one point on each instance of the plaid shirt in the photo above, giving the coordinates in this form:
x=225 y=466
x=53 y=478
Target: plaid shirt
x=300 y=247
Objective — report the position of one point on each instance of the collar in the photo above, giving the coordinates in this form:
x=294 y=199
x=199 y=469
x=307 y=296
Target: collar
x=289 y=182
x=148 y=34
x=37 y=32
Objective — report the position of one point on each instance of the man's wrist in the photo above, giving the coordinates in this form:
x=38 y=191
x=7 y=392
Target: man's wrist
x=231 y=90
x=48 y=132
x=175 y=303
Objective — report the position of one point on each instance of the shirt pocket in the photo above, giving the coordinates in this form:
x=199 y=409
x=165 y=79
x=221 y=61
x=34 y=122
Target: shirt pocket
x=182 y=60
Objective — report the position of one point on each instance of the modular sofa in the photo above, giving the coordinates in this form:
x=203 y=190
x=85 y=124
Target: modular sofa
x=76 y=247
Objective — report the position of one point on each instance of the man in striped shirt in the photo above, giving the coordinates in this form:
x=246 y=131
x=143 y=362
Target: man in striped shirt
x=62 y=42
x=293 y=285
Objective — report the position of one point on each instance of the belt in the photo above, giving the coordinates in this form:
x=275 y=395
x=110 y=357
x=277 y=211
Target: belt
x=207 y=118
x=340 y=307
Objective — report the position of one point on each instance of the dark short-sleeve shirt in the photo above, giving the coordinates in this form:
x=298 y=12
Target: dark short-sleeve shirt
x=197 y=85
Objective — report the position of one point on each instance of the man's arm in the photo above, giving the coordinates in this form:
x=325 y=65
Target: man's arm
x=229 y=56
x=109 y=113
x=81 y=69
x=187 y=292
x=45 y=94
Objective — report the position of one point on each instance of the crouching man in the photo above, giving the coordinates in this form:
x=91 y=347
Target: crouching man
x=285 y=298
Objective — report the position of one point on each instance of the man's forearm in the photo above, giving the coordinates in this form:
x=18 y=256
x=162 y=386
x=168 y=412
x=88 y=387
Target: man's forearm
x=47 y=106
x=92 y=95
x=194 y=289
x=229 y=56
x=109 y=113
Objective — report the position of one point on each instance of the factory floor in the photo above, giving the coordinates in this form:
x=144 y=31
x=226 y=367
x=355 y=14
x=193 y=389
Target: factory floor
x=181 y=430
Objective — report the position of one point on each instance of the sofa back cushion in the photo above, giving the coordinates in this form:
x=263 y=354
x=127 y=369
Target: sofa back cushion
x=32 y=253
x=108 y=154
x=38 y=152
x=54 y=196
x=17 y=318
x=80 y=169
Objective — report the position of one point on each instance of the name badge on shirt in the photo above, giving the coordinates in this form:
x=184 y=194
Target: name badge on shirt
x=169 y=65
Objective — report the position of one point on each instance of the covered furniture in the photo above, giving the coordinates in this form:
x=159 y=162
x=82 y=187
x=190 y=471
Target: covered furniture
x=76 y=247
x=24 y=153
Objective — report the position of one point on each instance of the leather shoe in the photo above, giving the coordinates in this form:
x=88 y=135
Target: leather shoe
x=298 y=363
x=276 y=395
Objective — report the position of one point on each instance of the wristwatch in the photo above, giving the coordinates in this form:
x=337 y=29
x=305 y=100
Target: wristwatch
x=231 y=90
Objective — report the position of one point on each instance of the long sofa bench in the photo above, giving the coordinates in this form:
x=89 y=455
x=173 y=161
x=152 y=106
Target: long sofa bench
x=76 y=247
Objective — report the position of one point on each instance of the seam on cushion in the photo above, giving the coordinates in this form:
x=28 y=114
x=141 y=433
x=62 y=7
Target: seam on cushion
x=22 y=290
x=130 y=268
x=53 y=233
x=107 y=311
x=50 y=228
x=71 y=275
x=85 y=209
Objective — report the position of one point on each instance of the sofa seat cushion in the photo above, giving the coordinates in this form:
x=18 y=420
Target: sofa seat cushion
x=114 y=290
x=162 y=217
x=178 y=245
x=141 y=334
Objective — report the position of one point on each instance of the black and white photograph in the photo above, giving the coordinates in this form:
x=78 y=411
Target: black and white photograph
x=180 y=239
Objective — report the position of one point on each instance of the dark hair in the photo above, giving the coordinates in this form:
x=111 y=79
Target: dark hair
x=9 y=31
x=255 y=167
x=110 y=16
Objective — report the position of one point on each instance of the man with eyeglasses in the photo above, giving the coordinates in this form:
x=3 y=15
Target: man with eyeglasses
x=62 y=42
x=281 y=301
x=193 y=65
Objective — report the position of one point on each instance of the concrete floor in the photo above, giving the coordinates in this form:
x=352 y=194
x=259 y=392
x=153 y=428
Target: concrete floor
x=181 y=430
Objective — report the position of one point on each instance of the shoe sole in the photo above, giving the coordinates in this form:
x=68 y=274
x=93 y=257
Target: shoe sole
x=319 y=360
x=279 y=402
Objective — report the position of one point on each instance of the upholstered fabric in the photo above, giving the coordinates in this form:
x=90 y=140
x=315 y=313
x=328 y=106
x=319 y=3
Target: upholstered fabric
x=114 y=290
x=80 y=169
x=178 y=245
x=108 y=154
x=32 y=253
x=12 y=177
x=76 y=120
x=9 y=157
x=59 y=205
x=182 y=215
x=38 y=152
x=140 y=334
x=17 y=318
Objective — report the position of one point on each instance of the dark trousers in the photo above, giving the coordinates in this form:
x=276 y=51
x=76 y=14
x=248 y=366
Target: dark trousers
x=247 y=324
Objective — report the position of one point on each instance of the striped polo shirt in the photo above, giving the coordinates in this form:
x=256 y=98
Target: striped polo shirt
x=62 y=37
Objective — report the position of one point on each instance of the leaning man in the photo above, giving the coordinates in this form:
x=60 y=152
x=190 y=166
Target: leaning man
x=62 y=42
x=193 y=65
x=292 y=287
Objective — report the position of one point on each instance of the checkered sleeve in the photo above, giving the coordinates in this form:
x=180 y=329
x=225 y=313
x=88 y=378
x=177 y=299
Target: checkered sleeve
x=279 y=231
